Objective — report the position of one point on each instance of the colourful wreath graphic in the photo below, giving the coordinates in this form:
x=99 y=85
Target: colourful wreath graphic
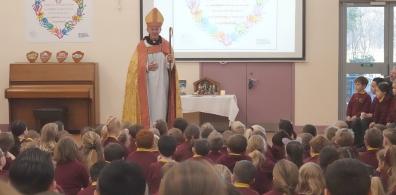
x=69 y=25
x=224 y=37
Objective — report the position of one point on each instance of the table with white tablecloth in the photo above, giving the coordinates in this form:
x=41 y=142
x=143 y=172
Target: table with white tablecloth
x=222 y=105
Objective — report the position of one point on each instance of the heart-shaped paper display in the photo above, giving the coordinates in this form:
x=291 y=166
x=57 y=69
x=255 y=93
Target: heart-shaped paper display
x=226 y=21
x=45 y=56
x=77 y=56
x=32 y=56
x=59 y=17
x=61 y=56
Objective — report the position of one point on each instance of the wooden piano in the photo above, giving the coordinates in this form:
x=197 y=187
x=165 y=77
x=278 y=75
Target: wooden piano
x=41 y=89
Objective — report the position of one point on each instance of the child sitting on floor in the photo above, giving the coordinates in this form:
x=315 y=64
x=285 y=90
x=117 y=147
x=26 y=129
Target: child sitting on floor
x=236 y=151
x=243 y=177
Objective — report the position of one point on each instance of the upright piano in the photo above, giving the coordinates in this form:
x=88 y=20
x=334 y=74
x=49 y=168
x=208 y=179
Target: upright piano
x=41 y=92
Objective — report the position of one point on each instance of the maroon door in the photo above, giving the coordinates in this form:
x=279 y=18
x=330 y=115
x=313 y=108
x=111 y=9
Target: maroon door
x=269 y=97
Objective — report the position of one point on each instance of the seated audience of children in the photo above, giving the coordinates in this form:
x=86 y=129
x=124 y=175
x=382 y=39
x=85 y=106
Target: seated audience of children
x=200 y=160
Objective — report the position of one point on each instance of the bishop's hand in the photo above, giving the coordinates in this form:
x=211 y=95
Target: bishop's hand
x=152 y=67
x=170 y=58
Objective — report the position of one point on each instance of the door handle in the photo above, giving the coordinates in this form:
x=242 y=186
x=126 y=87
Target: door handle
x=251 y=83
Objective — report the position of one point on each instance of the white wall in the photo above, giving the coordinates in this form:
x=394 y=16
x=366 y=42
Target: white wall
x=316 y=85
x=114 y=43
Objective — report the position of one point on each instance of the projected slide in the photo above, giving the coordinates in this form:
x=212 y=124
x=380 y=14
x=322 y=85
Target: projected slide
x=228 y=29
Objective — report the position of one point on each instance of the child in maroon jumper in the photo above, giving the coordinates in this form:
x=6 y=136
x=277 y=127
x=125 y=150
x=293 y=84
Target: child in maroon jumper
x=177 y=134
x=256 y=149
x=386 y=168
x=113 y=152
x=392 y=109
x=367 y=118
x=19 y=130
x=328 y=155
x=243 y=176
x=121 y=178
x=287 y=126
x=3 y=173
x=278 y=147
x=389 y=137
x=236 y=151
x=94 y=172
x=295 y=153
x=360 y=101
x=383 y=101
x=216 y=143
x=184 y=150
x=285 y=178
x=344 y=138
x=125 y=140
x=6 y=143
x=70 y=173
x=144 y=154
x=112 y=130
x=206 y=129
x=180 y=123
x=33 y=172
x=311 y=129
x=317 y=143
x=162 y=126
x=201 y=150
x=166 y=146
x=383 y=168
x=347 y=176
x=305 y=139
x=133 y=130
x=373 y=143
x=311 y=179
x=91 y=149
x=192 y=177
x=48 y=137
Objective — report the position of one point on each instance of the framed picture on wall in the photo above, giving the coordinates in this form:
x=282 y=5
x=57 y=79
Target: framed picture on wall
x=58 y=20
